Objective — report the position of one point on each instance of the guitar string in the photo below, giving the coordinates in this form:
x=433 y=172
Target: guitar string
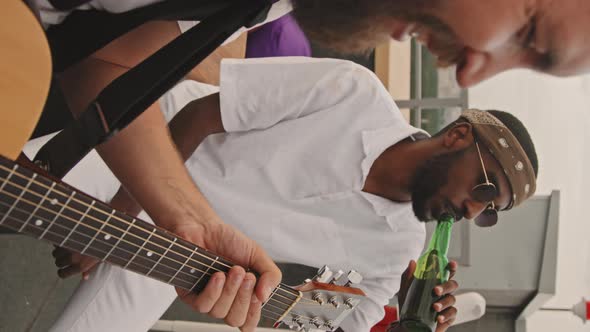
x=264 y=307
x=43 y=185
x=288 y=291
x=278 y=315
x=131 y=252
x=276 y=303
x=84 y=204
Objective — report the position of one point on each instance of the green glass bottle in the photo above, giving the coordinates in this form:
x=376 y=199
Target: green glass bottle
x=417 y=314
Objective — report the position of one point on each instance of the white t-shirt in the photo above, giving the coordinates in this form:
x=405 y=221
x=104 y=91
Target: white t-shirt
x=50 y=16
x=301 y=137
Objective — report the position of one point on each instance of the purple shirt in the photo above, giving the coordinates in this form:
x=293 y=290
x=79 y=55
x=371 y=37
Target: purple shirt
x=281 y=37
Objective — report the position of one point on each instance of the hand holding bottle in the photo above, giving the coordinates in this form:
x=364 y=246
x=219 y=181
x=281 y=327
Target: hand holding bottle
x=426 y=302
x=444 y=306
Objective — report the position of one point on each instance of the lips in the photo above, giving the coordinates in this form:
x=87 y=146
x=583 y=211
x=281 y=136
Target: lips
x=454 y=211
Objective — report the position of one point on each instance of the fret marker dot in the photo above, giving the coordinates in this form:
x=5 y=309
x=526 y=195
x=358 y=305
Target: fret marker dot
x=38 y=222
x=193 y=270
x=107 y=237
x=149 y=254
x=54 y=201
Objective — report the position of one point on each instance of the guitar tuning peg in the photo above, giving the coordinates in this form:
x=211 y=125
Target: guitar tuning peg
x=334 y=301
x=354 y=278
x=318 y=298
x=316 y=322
x=298 y=323
x=337 y=276
x=349 y=303
x=324 y=274
x=330 y=325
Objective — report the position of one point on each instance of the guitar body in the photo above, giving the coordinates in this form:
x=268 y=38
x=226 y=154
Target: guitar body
x=25 y=75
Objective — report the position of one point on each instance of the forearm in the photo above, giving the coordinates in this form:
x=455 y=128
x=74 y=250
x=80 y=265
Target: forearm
x=189 y=127
x=144 y=159
x=142 y=156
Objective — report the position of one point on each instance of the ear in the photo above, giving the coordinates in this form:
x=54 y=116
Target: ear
x=459 y=136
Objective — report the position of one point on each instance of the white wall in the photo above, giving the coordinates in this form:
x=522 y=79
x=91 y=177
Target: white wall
x=557 y=113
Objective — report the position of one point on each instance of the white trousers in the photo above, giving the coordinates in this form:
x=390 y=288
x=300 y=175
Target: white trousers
x=115 y=300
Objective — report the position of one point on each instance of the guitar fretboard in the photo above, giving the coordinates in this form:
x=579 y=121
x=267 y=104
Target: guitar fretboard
x=40 y=207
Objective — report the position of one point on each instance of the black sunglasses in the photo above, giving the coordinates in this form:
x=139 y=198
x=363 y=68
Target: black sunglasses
x=484 y=193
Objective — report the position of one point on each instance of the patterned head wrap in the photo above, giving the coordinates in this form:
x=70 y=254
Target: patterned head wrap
x=507 y=150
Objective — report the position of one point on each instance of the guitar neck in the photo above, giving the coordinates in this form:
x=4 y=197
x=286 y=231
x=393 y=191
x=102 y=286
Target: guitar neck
x=33 y=204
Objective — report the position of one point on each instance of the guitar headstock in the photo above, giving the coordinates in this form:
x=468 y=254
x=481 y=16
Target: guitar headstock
x=325 y=301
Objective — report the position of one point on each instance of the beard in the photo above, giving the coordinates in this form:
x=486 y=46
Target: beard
x=428 y=179
x=357 y=26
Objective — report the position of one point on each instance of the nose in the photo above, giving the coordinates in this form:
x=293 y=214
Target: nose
x=473 y=208
x=478 y=66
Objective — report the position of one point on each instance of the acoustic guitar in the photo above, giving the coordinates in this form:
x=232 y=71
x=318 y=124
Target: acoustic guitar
x=34 y=203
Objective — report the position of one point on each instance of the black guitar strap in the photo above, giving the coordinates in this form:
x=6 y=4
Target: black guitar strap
x=130 y=94
x=84 y=32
